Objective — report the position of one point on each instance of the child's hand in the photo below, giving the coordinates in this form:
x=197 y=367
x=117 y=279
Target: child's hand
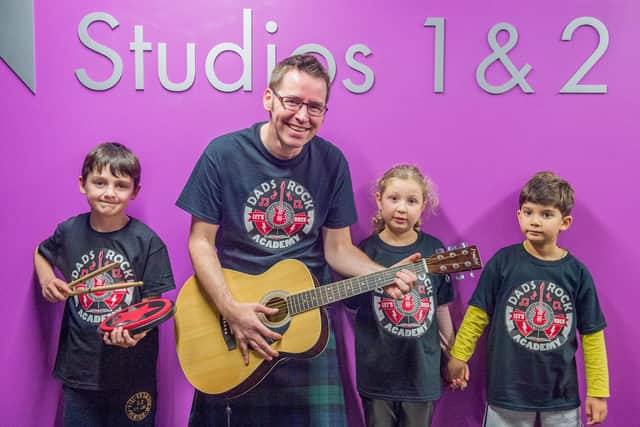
x=458 y=373
x=596 y=409
x=405 y=280
x=56 y=290
x=121 y=338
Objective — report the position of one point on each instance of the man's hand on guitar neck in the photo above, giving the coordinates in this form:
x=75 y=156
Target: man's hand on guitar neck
x=405 y=279
x=249 y=331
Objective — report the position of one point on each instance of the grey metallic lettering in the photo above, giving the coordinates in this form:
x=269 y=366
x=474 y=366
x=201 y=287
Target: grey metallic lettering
x=500 y=53
x=573 y=86
x=244 y=52
x=438 y=53
x=139 y=47
x=369 y=78
x=162 y=69
x=272 y=28
x=100 y=49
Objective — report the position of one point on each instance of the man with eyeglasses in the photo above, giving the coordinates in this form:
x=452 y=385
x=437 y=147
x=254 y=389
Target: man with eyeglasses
x=260 y=195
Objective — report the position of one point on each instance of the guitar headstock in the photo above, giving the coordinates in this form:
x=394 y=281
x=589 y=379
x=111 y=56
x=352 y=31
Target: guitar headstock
x=455 y=260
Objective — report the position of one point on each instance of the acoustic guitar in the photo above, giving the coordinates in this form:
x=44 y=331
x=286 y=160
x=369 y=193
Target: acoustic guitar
x=207 y=349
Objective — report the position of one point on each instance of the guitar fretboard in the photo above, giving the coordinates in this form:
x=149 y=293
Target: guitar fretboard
x=337 y=291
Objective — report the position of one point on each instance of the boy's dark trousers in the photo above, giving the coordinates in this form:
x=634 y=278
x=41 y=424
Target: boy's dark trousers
x=112 y=408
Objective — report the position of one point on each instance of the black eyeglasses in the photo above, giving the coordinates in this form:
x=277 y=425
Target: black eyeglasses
x=293 y=103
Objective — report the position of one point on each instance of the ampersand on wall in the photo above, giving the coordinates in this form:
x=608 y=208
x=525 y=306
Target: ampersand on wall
x=500 y=54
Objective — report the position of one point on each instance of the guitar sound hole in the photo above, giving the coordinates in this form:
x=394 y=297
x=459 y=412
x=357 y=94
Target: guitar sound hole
x=281 y=305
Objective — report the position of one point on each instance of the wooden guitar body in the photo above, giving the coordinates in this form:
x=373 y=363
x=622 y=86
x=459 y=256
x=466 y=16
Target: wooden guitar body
x=205 y=356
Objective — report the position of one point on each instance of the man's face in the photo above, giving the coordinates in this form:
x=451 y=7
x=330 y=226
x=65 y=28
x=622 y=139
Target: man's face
x=291 y=130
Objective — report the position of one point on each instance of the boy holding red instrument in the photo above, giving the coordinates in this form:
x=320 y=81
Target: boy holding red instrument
x=108 y=380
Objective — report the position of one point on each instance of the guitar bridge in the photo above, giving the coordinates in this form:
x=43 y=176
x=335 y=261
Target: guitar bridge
x=227 y=334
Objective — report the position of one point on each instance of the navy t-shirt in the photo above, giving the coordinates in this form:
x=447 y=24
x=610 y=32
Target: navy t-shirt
x=75 y=249
x=535 y=307
x=270 y=209
x=397 y=341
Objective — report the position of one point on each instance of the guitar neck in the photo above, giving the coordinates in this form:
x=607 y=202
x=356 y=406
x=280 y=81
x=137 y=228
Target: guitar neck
x=337 y=291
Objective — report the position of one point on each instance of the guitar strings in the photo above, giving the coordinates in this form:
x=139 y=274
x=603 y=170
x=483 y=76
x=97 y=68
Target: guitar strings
x=277 y=304
x=332 y=291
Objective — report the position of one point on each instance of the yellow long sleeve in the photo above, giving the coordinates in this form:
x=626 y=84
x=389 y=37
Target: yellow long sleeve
x=595 y=364
x=473 y=325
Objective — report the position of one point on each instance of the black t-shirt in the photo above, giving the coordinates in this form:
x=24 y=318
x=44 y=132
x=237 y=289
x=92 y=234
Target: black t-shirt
x=397 y=341
x=75 y=249
x=534 y=307
x=270 y=209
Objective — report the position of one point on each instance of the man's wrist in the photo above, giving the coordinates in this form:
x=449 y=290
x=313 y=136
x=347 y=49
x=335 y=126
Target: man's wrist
x=227 y=307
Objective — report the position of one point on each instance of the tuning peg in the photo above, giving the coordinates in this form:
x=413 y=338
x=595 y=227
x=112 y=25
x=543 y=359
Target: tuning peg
x=459 y=276
x=440 y=251
x=472 y=274
x=462 y=245
x=451 y=248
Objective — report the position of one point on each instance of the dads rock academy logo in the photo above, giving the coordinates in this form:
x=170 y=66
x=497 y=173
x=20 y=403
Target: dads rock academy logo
x=409 y=317
x=279 y=213
x=539 y=315
x=94 y=307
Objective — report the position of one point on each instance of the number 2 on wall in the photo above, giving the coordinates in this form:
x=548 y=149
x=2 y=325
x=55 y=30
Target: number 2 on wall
x=573 y=84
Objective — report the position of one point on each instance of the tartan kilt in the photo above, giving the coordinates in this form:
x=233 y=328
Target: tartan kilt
x=305 y=393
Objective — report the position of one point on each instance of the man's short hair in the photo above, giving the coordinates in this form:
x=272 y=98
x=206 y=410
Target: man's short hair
x=305 y=63
x=547 y=188
x=120 y=160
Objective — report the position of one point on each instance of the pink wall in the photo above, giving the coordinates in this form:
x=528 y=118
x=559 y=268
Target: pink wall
x=479 y=148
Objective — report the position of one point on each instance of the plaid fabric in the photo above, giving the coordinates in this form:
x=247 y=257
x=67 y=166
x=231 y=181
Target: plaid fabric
x=296 y=393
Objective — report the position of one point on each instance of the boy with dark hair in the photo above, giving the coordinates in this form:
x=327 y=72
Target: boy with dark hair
x=534 y=296
x=112 y=384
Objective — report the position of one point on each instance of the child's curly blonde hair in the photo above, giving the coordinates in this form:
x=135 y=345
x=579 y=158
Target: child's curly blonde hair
x=429 y=191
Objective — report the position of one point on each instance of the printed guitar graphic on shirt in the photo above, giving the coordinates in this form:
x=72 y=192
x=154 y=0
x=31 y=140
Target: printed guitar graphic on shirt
x=207 y=349
x=280 y=216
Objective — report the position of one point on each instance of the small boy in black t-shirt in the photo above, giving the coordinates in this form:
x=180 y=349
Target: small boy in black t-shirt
x=108 y=380
x=534 y=296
